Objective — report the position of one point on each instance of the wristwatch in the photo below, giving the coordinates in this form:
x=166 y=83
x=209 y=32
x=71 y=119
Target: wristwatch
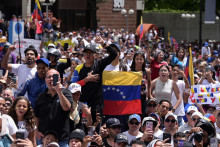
x=173 y=110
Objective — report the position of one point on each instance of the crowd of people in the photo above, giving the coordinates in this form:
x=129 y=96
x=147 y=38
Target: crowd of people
x=55 y=97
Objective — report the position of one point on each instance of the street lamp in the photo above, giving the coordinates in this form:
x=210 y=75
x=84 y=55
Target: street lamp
x=47 y=4
x=217 y=26
x=124 y=13
x=187 y=17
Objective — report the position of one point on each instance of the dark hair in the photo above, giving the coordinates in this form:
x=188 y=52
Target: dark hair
x=29 y=115
x=30 y=48
x=161 y=101
x=165 y=66
x=139 y=142
x=133 y=61
x=178 y=52
x=8 y=99
x=179 y=134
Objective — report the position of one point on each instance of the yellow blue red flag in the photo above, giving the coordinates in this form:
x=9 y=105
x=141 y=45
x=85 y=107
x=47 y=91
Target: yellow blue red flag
x=189 y=71
x=121 y=92
x=2 y=43
x=141 y=29
x=37 y=14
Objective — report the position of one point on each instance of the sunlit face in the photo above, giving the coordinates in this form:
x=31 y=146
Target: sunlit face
x=49 y=78
x=164 y=73
x=48 y=139
x=75 y=143
x=2 y=105
x=160 y=56
x=7 y=94
x=163 y=108
x=88 y=56
x=103 y=130
x=21 y=108
x=180 y=53
x=30 y=57
x=139 y=60
x=175 y=71
x=170 y=123
x=134 y=125
x=195 y=119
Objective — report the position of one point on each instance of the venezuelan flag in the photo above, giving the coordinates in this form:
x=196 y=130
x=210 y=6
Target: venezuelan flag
x=122 y=92
x=171 y=39
x=37 y=14
x=141 y=29
x=189 y=72
x=2 y=43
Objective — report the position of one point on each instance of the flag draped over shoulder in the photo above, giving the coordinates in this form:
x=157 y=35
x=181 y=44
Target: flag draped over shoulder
x=141 y=29
x=189 y=71
x=122 y=92
x=37 y=14
x=171 y=39
x=2 y=43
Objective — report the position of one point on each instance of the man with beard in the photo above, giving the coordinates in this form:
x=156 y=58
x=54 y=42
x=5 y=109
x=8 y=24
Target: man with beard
x=23 y=71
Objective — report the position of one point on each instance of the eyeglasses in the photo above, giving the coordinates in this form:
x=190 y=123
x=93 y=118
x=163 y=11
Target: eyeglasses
x=190 y=114
x=132 y=123
x=116 y=127
x=7 y=104
x=151 y=105
x=88 y=53
x=196 y=119
x=177 y=141
x=170 y=120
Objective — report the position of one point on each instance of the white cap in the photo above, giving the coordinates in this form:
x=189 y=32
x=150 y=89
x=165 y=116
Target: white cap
x=70 y=34
x=198 y=114
x=74 y=87
x=190 y=108
x=148 y=119
x=53 y=144
x=171 y=114
x=51 y=44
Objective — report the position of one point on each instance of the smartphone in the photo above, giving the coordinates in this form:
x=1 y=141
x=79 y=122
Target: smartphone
x=20 y=135
x=55 y=79
x=66 y=46
x=149 y=125
x=167 y=135
x=100 y=111
x=91 y=131
x=1 y=73
x=14 y=80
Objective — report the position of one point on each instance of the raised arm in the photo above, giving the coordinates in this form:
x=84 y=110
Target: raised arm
x=5 y=63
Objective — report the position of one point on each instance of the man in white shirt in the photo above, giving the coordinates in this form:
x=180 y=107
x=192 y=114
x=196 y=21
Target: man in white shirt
x=134 y=124
x=23 y=71
x=206 y=49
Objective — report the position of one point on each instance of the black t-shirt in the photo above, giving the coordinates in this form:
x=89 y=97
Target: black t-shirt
x=105 y=143
x=51 y=114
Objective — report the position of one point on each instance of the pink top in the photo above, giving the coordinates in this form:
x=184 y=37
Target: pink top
x=39 y=29
x=155 y=66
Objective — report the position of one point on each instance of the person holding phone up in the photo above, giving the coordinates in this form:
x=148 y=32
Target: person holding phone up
x=52 y=109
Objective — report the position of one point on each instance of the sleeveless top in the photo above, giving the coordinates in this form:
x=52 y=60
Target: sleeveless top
x=163 y=90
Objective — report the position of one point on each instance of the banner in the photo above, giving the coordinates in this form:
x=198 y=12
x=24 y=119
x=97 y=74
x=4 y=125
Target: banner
x=205 y=94
x=16 y=28
x=25 y=43
x=121 y=92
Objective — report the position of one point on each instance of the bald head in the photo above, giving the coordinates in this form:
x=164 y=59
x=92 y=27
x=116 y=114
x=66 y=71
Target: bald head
x=49 y=77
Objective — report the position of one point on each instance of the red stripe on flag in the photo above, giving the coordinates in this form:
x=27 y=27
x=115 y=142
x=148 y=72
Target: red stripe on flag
x=122 y=107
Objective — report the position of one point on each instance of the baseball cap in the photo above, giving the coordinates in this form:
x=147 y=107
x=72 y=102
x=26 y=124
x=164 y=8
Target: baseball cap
x=3 y=81
x=43 y=60
x=77 y=134
x=190 y=108
x=116 y=45
x=210 y=117
x=198 y=114
x=135 y=116
x=74 y=87
x=70 y=34
x=206 y=44
x=121 y=138
x=185 y=144
x=90 y=47
x=171 y=114
x=149 y=119
x=51 y=45
x=51 y=132
x=113 y=122
x=53 y=144
x=152 y=100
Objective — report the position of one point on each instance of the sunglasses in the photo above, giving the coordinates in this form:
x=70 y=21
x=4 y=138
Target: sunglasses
x=151 y=105
x=196 y=119
x=116 y=127
x=177 y=141
x=190 y=114
x=7 y=104
x=132 y=123
x=170 y=120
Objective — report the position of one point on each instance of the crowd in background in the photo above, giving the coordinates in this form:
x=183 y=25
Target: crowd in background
x=68 y=112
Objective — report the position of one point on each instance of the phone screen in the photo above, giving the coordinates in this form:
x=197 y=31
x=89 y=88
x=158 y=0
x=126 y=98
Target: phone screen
x=167 y=135
x=55 y=79
x=20 y=135
x=66 y=46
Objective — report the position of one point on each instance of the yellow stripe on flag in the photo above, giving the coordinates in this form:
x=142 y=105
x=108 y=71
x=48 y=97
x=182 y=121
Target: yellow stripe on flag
x=38 y=4
x=3 y=40
x=118 y=78
x=191 y=70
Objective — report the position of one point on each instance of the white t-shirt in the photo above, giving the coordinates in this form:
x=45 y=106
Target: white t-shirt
x=158 y=133
x=205 y=82
x=11 y=128
x=23 y=72
x=110 y=67
x=180 y=110
x=130 y=137
x=217 y=129
x=22 y=126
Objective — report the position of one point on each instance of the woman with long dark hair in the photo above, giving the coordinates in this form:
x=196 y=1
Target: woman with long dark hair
x=23 y=116
x=139 y=64
x=179 y=57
